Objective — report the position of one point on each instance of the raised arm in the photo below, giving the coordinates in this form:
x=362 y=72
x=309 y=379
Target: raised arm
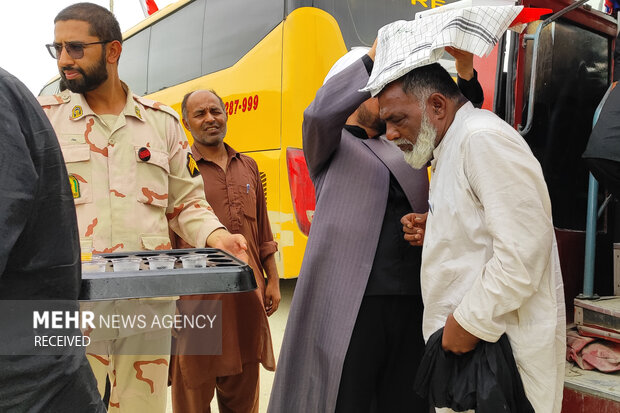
x=324 y=119
x=467 y=77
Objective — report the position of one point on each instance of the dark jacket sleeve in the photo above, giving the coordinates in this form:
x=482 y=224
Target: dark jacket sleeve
x=604 y=141
x=39 y=246
x=324 y=119
x=18 y=177
x=472 y=90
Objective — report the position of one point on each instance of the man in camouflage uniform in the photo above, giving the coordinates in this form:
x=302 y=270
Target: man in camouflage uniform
x=132 y=175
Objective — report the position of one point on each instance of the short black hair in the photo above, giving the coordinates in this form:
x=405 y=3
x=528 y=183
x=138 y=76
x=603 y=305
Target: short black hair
x=187 y=95
x=423 y=81
x=102 y=22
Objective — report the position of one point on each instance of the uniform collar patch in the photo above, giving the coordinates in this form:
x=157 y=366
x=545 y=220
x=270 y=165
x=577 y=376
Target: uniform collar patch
x=138 y=113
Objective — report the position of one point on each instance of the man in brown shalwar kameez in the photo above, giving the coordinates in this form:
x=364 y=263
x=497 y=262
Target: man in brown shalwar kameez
x=233 y=188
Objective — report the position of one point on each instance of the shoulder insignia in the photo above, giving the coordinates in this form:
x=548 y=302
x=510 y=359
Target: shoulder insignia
x=76 y=112
x=75 y=186
x=151 y=104
x=54 y=100
x=192 y=166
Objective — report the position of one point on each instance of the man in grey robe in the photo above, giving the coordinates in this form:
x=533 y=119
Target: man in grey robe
x=353 y=338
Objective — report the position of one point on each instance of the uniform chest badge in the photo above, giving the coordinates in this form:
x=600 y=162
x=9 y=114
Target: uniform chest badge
x=76 y=112
x=144 y=154
x=75 y=186
x=192 y=166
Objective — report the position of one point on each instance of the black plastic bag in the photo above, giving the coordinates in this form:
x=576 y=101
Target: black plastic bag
x=485 y=380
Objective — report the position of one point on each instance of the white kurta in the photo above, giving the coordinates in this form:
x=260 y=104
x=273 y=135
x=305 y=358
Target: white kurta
x=490 y=254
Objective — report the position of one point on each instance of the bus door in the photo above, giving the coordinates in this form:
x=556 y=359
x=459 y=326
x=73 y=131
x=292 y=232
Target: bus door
x=571 y=73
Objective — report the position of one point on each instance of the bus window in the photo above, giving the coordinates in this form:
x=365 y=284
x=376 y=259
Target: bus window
x=174 y=51
x=360 y=20
x=233 y=27
x=132 y=65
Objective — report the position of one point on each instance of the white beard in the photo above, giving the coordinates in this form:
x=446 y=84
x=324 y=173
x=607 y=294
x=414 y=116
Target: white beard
x=423 y=149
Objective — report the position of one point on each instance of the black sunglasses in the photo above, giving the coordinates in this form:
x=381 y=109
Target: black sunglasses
x=74 y=49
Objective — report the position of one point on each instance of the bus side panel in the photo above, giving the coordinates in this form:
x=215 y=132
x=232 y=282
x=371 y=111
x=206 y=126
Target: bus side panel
x=256 y=128
x=255 y=125
x=312 y=42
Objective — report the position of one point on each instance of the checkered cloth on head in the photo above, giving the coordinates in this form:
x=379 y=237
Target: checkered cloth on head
x=405 y=45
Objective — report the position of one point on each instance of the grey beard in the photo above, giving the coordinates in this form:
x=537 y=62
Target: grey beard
x=423 y=149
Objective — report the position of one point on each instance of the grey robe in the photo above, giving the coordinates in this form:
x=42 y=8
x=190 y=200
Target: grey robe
x=351 y=178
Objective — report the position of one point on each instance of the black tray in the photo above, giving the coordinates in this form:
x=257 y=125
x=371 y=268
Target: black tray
x=224 y=274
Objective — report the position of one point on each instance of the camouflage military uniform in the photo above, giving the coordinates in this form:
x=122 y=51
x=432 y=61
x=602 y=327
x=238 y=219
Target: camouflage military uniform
x=131 y=179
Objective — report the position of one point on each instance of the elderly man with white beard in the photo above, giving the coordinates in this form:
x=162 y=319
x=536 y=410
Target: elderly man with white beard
x=489 y=263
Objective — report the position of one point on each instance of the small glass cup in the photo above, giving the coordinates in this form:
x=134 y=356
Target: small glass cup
x=161 y=262
x=95 y=265
x=126 y=264
x=194 y=261
x=86 y=249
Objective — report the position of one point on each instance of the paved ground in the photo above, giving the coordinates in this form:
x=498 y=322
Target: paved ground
x=277 y=323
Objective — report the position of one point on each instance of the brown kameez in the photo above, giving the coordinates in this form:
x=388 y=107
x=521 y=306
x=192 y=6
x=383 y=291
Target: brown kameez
x=237 y=198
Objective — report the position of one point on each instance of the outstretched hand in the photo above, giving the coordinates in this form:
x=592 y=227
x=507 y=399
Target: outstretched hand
x=232 y=243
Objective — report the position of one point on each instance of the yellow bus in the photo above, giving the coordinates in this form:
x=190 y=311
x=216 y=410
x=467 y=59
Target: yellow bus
x=266 y=59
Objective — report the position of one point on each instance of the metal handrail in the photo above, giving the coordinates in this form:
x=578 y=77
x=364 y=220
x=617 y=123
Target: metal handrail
x=591 y=217
x=590 y=251
x=536 y=37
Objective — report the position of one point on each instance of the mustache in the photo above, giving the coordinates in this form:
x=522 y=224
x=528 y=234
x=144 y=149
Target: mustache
x=404 y=145
x=77 y=69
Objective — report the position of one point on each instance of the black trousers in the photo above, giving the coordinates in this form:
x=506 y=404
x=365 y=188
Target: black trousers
x=80 y=395
x=383 y=356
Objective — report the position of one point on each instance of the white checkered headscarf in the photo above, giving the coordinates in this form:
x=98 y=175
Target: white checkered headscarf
x=405 y=45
